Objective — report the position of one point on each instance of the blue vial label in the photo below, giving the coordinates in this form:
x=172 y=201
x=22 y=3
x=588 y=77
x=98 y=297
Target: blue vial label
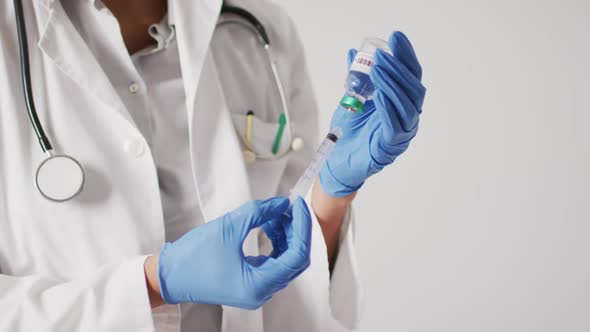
x=359 y=85
x=358 y=82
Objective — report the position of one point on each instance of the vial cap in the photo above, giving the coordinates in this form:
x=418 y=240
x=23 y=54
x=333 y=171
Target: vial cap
x=352 y=104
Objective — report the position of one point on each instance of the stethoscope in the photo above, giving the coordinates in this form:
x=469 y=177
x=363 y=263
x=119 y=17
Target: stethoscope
x=248 y=21
x=60 y=177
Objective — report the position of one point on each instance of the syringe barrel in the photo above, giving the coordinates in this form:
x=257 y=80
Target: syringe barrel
x=315 y=166
x=321 y=156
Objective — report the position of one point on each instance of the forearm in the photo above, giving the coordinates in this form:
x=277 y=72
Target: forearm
x=150 y=268
x=330 y=212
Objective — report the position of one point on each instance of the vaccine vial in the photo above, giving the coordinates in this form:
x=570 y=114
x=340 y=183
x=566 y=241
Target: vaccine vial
x=359 y=87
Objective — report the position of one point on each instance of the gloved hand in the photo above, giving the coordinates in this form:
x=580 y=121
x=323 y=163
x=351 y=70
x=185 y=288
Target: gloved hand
x=374 y=138
x=207 y=264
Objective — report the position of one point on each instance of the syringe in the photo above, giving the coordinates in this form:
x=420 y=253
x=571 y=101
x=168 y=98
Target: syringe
x=316 y=164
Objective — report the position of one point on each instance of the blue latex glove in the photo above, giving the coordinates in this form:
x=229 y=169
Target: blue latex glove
x=374 y=138
x=207 y=264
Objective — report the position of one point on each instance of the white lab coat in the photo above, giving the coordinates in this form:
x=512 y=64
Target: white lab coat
x=79 y=265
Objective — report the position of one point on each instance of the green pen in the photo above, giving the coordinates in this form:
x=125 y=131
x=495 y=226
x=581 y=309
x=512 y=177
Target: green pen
x=277 y=143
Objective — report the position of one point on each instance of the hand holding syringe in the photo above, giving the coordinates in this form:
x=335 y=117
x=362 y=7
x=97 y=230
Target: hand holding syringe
x=315 y=166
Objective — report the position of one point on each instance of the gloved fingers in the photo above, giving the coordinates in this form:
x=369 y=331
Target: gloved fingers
x=383 y=152
x=255 y=213
x=256 y=260
x=349 y=121
x=398 y=72
x=275 y=231
x=298 y=232
x=400 y=107
x=350 y=56
x=281 y=270
x=403 y=50
x=391 y=129
x=275 y=271
x=274 y=275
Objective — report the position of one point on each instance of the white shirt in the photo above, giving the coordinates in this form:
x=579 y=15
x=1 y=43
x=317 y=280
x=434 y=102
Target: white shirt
x=150 y=85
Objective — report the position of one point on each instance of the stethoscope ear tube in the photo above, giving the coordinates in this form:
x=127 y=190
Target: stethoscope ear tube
x=240 y=12
x=26 y=77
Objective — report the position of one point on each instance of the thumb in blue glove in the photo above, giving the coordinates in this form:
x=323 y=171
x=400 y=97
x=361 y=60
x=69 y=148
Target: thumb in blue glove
x=207 y=265
x=374 y=138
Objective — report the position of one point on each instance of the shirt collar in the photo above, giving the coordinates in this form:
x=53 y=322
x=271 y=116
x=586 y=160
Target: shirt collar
x=163 y=33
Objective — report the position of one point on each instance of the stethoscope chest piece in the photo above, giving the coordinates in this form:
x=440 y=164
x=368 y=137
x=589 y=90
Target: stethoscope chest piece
x=60 y=178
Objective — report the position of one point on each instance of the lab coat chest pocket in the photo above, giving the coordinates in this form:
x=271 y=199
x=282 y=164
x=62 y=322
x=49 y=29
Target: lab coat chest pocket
x=248 y=84
x=264 y=173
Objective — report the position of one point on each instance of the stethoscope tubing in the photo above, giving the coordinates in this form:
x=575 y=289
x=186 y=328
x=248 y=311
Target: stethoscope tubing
x=258 y=29
x=26 y=78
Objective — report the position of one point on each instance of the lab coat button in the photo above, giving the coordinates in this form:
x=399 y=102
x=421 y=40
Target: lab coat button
x=297 y=144
x=134 y=147
x=134 y=88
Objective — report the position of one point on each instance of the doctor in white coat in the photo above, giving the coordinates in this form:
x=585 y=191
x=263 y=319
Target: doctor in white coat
x=151 y=99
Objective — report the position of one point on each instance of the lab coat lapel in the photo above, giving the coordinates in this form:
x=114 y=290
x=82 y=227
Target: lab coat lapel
x=218 y=167
x=218 y=164
x=60 y=41
x=211 y=138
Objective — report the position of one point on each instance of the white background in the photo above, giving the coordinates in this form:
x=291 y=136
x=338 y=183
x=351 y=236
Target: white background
x=484 y=224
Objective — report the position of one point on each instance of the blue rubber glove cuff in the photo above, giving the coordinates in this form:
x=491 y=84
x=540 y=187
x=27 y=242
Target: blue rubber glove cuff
x=163 y=289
